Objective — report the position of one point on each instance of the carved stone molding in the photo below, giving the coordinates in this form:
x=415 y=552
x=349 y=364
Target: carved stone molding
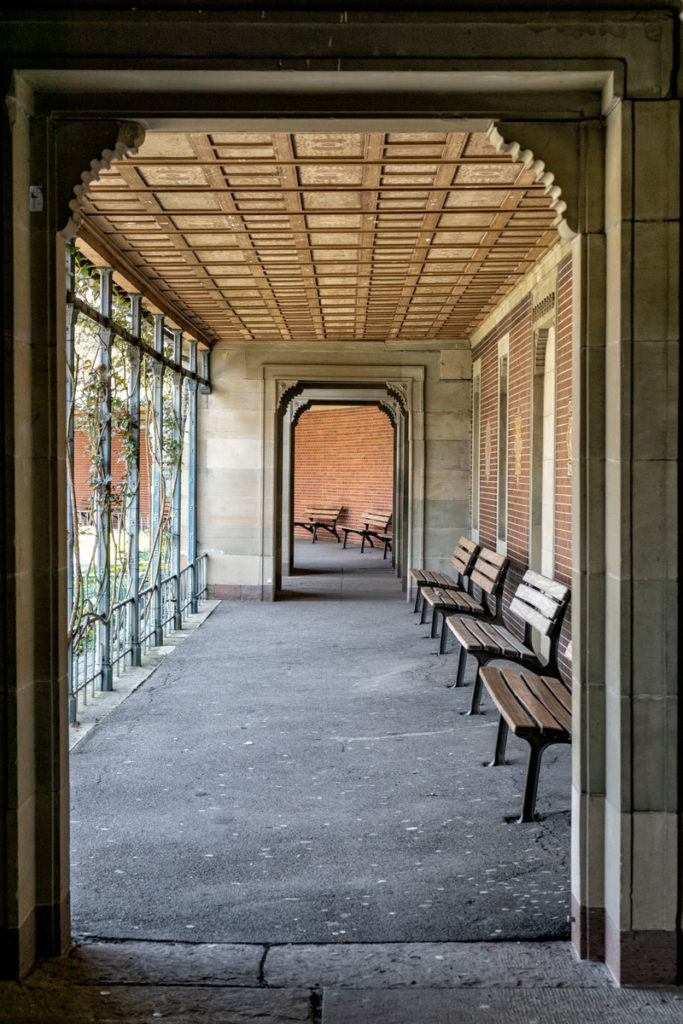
x=541 y=175
x=78 y=141
x=298 y=406
x=543 y=308
x=285 y=390
x=400 y=389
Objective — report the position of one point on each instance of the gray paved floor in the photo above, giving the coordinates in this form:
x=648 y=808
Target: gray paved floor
x=431 y=983
x=299 y=772
x=339 y=714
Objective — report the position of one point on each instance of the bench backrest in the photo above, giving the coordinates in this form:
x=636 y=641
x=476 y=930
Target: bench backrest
x=464 y=555
x=375 y=519
x=323 y=511
x=489 y=571
x=540 y=602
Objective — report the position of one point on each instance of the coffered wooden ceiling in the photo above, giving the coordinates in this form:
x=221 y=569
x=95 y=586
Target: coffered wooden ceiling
x=321 y=236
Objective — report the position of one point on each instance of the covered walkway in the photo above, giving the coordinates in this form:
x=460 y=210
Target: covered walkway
x=299 y=772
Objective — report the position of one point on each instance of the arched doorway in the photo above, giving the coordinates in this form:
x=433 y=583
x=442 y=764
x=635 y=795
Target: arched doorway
x=602 y=808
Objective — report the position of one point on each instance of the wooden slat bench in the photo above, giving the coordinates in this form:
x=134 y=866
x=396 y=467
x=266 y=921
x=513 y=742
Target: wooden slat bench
x=376 y=523
x=321 y=517
x=483 y=598
x=464 y=555
x=539 y=603
x=536 y=708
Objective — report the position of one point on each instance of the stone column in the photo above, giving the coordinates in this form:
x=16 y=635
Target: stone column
x=588 y=558
x=34 y=784
x=642 y=752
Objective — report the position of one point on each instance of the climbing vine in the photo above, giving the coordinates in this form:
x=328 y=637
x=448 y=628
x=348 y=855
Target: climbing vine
x=100 y=496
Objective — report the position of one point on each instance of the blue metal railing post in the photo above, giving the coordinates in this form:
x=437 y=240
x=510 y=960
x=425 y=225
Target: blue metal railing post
x=133 y=496
x=176 y=497
x=192 y=481
x=103 y=495
x=157 y=503
x=71 y=510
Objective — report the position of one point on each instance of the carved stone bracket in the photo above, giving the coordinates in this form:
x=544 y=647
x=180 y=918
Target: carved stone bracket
x=285 y=390
x=390 y=409
x=84 y=138
x=298 y=406
x=400 y=390
x=541 y=175
x=543 y=307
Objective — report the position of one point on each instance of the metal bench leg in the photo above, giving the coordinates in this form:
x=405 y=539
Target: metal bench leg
x=460 y=674
x=423 y=613
x=443 y=643
x=476 y=697
x=501 y=744
x=435 y=622
x=536 y=748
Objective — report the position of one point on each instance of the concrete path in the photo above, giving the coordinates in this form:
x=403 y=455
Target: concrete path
x=449 y=983
x=297 y=776
x=299 y=772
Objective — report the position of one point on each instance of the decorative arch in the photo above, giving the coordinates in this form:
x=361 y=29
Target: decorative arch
x=288 y=389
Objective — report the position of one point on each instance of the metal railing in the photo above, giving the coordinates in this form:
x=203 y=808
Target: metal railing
x=132 y=631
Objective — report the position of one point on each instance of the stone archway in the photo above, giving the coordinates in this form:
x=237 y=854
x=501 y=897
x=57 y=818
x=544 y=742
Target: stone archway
x=400 y=388
x=626 y=822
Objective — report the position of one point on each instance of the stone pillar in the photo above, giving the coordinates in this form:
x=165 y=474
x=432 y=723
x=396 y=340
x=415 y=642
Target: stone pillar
x=34 y=784
x=642 y=755
x=588 y=559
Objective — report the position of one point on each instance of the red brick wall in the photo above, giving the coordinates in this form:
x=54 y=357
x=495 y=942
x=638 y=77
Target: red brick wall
x=343 y=456
x=563 y=427
x=563 y=413
x=518 y=324
x=82 y=471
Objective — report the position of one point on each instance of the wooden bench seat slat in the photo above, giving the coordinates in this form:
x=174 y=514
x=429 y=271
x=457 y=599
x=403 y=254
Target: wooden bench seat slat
x=554 y=697
x=533 y=702
x=514 y=713
x=477 y=635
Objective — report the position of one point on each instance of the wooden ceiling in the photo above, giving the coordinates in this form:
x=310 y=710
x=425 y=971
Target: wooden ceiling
x=321 y=236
